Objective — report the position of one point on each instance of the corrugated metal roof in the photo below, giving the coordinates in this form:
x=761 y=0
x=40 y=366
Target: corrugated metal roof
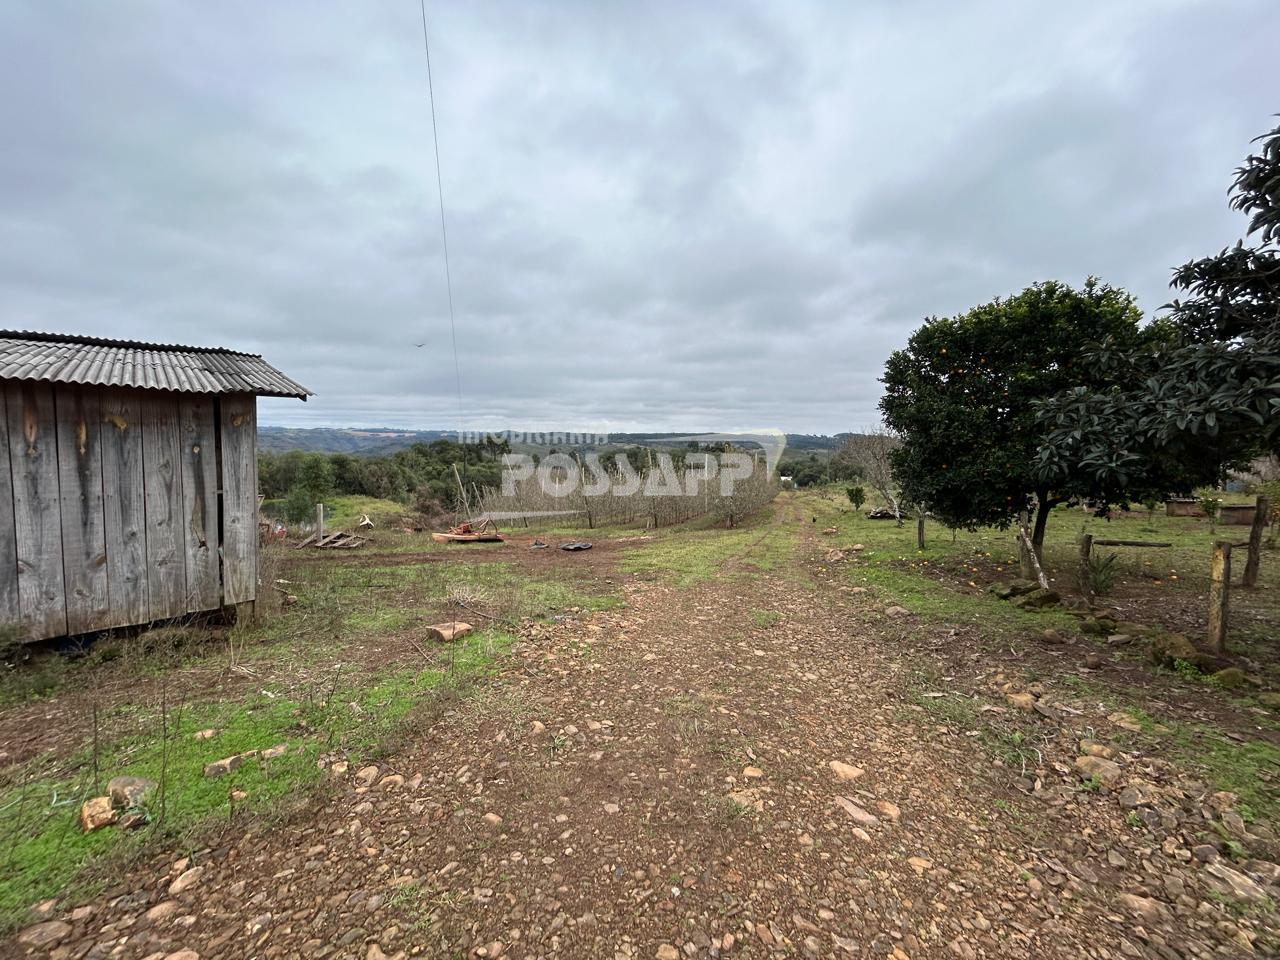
x=59 y=358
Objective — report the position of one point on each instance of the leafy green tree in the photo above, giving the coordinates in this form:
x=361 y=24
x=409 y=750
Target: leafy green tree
x=278 y=472
x=269 y=481
x=298 y=505
x=348 y=471
x=1203 y=397
x=962 y=398
x=316 y=476
x=804 y=472
x=857 y=496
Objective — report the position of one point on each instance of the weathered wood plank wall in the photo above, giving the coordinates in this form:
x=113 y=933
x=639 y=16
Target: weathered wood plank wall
x=9 y=609
x=239 y=498
x=166 y=533
x=124 y=503
x=37 y=526
x=109 y=506
x=84 y=548
x=200 y=501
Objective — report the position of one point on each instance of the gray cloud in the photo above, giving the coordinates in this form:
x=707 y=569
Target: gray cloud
x=684 y=216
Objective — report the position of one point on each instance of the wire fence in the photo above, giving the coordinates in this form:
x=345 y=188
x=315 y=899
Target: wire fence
x=660 y=495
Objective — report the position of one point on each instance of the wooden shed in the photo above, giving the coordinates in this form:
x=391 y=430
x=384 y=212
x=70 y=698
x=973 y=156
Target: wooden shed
x=128 y=480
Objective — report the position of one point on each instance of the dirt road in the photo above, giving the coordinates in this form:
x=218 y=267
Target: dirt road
x=749 y=766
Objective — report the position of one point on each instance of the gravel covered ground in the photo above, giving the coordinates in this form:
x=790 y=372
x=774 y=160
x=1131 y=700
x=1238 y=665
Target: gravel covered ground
x=754 y=765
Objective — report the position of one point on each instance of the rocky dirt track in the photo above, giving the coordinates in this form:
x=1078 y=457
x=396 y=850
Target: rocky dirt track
x=748 y=767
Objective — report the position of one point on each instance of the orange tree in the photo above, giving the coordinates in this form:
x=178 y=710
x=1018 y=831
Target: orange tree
x=962 y=398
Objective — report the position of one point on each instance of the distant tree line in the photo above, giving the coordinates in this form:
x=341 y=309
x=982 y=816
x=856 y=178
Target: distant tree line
x=813 y=470
x=421 y=476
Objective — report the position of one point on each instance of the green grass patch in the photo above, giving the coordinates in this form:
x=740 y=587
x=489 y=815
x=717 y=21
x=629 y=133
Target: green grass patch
x=690 y=556
x=1014 y=747
x=20 y=682
x=552 y=532
x=347 y=602
x=927 y=690
x=947 y=581
x=952 y=710
x=1249 y=770
x=378 y=620
x=46 y=854
x=344 y=512
x=765 y=618
x=938 y=601
x=936 y=598
x=497 y=583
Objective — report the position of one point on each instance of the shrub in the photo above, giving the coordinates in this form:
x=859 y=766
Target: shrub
x=1211 y=503
x=857 y=496
x=298 y=505
x=1099 y=575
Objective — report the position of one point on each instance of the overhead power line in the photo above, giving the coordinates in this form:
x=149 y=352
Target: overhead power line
x=444 y=232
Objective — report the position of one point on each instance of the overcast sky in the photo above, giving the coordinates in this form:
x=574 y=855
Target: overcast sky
x=683 y=216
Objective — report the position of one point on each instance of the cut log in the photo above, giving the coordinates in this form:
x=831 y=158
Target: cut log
x=467 y=537
x=446 y=632
x=1130 y=543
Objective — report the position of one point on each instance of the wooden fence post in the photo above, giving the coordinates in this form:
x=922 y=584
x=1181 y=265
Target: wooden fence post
x=1251 y=563
x=1219 y=594
x=319 y=521
x=1086 y=549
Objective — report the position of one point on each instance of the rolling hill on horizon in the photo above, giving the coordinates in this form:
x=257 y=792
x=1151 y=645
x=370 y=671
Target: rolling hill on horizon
x=377 y=441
